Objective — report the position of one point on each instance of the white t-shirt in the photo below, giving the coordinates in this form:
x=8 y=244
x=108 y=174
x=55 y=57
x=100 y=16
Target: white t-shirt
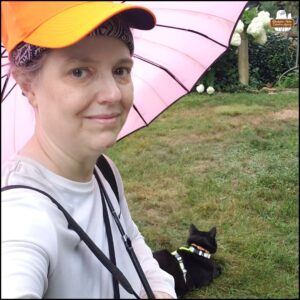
x=42 y=258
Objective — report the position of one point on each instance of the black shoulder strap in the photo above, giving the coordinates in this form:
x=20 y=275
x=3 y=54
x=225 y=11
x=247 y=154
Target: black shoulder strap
x=108 y=173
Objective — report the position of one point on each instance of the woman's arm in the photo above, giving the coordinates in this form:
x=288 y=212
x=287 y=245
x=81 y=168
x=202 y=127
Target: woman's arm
x=27 y=238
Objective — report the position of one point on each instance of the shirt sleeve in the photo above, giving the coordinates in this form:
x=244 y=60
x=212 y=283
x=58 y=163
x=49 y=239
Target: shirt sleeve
x=158 y=279
x=28 y=245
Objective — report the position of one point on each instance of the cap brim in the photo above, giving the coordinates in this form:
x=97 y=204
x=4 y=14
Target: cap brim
x=73 y=24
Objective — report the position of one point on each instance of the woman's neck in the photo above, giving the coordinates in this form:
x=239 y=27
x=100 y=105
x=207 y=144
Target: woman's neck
x=59 y=162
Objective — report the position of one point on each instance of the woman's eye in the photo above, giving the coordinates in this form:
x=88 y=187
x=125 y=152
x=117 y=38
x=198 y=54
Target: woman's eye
x=124 y=71
x=79 y=73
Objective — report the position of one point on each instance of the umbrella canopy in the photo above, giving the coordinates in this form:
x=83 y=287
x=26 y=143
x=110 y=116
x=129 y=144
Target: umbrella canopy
x=168 y=61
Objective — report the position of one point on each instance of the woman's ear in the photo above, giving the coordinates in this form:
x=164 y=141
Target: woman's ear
x=25 y=83
x=28 y=92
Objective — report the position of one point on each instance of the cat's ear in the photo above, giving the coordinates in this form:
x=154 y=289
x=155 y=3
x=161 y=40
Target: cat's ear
x=213 y=232
x=192 y=229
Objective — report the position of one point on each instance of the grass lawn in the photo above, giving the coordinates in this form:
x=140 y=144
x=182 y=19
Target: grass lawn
x=230 y=161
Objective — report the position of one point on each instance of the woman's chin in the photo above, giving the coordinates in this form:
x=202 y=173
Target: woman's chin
x=109 y=145
x=104 y=144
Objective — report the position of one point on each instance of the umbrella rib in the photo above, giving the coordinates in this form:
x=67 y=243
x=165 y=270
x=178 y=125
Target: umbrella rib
x=152 y=88
x=136 y=109
x=163 y=68
x=4 y=87
x=3 y=51
x=195 y=61
x=193 y=31
x=5 y=75
x=3 y=90
x=6 y=64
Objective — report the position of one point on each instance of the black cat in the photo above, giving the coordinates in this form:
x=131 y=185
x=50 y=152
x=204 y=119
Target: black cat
x=191 y=266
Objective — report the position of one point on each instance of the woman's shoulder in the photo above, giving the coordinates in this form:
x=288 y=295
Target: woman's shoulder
x=27 y=226
x=26 y=222
x=24 y=196
x=19 y=168
x=22 y=205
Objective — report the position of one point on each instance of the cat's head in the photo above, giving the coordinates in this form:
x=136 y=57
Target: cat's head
x=205 y=239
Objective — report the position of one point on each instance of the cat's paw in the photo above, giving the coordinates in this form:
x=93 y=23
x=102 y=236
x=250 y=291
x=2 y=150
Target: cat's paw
x=217 y=271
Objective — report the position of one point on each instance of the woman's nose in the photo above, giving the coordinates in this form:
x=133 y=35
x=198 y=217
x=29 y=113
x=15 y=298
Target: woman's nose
x=108 y=90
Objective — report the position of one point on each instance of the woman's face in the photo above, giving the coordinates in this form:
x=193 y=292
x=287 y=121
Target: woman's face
x=82 y=95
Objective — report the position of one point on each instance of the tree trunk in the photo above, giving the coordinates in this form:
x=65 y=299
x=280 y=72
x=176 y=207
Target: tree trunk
x=243 y=60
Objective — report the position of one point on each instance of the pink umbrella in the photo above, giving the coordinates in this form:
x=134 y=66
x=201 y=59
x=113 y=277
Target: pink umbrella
x=168 y=62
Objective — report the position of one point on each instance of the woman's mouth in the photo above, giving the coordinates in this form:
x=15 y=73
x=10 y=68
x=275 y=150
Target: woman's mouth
x=109 y=118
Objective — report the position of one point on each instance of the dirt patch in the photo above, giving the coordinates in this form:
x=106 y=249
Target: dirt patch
x=202 y=166
x=286 y=114
x=237 y=122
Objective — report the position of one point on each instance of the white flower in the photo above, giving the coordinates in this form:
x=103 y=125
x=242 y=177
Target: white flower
x=239 y=27
x=210 y=90
x=200 y=88
x=261 y=39
x=236 y=39
x=264 y=16
x=256 y=27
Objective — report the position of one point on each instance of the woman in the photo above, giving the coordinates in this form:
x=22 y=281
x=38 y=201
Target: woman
x=73 y=62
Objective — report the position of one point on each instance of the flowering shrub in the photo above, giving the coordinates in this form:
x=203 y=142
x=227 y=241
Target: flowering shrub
x=266 y=64
x=254 y=23
x=270 y=55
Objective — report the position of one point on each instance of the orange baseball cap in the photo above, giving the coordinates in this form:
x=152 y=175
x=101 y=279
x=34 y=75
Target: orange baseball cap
x=58 y=24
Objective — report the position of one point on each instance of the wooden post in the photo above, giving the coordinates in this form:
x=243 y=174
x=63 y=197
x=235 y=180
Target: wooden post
x=243 y=60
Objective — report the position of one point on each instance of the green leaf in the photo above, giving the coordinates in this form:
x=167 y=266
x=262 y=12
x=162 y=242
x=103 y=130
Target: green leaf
x=249 y=15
